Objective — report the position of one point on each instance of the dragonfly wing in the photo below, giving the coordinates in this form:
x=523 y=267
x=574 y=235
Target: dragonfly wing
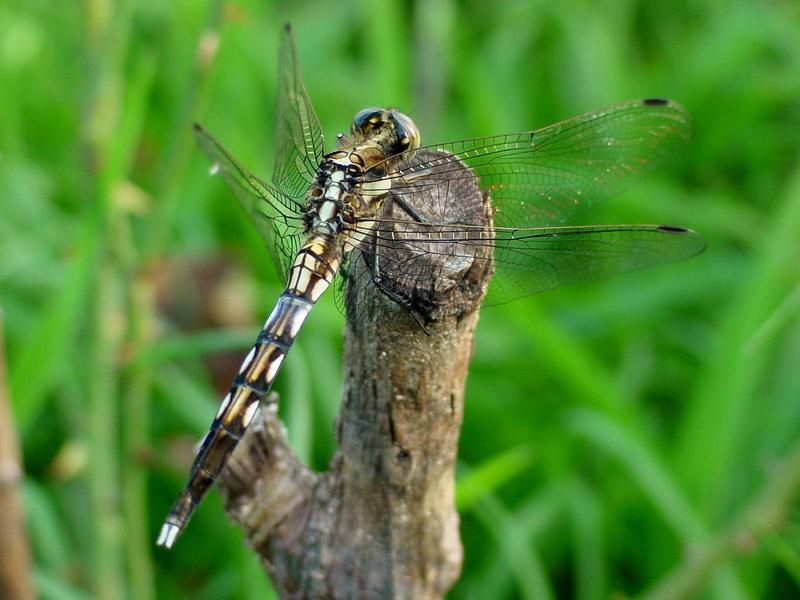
x=539 y=178
x=300 y=144
x=534 y=260
x=275 y=214
x=527 y=261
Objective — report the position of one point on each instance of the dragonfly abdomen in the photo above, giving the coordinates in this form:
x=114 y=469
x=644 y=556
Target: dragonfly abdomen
x=310 y=275
x=314 y=267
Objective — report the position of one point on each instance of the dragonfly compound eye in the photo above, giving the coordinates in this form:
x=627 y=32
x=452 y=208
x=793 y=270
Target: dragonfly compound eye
x=367 y=119
x=407 y=131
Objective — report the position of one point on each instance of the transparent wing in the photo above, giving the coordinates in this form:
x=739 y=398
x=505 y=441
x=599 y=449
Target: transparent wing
x=527 y=260
x=300 y=145
x=541 y=177
x=531 y=261
x=275 y=214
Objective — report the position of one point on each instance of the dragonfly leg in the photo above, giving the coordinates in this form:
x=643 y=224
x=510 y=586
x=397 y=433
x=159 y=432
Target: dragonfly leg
x=372 y=262
x=406 y=208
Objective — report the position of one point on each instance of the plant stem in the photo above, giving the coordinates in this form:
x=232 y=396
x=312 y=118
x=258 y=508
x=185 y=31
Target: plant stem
x=15 y=560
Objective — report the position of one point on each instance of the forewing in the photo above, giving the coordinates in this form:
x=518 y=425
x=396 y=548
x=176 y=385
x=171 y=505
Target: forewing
x=300 y=144
x=541 y=177
x=275 y=214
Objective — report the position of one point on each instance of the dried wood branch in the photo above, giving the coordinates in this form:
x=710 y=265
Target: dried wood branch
x=15 y=562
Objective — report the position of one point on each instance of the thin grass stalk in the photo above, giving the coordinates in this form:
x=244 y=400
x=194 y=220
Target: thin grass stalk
x=104 y=464
x=106 y=42
x=136 y=437
x=137 y=386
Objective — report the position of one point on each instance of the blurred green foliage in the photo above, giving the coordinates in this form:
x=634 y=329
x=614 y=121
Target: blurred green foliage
x=615 y=433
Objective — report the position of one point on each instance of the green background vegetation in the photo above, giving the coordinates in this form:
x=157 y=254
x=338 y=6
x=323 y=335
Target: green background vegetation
x=633 y=436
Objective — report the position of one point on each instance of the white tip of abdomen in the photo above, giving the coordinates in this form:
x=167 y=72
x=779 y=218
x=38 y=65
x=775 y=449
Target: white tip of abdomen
x=168 y=535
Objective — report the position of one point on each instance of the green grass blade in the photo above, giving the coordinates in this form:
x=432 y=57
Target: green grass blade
x=488 y=477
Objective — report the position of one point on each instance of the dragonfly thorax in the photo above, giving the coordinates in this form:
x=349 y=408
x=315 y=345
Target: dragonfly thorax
x=341 y=193
x=325 y=199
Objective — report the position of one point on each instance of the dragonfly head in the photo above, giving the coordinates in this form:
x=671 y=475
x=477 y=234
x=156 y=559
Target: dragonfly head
x=390 y=128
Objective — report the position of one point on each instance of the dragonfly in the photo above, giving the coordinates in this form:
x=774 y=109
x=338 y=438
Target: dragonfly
x=420 y=219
